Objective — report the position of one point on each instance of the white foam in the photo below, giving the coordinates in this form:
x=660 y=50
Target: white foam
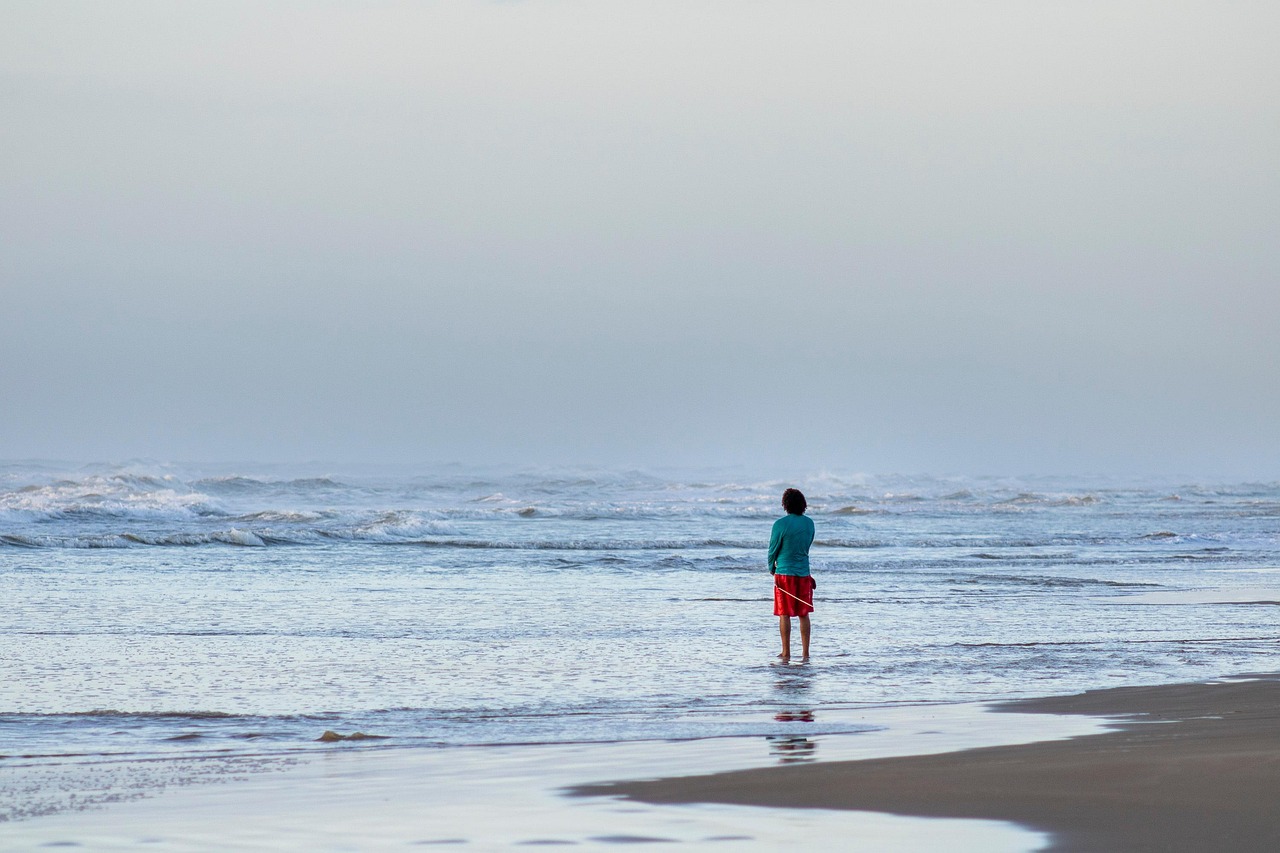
x=109 y=496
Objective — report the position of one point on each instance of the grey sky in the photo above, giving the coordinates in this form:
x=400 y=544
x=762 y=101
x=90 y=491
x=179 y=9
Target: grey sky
x=949 y=237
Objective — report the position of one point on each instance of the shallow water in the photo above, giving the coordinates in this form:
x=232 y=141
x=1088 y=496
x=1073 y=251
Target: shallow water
x=503 y=797
x=162 y=611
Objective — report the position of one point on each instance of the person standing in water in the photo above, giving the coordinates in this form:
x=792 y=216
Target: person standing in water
x=789 y=564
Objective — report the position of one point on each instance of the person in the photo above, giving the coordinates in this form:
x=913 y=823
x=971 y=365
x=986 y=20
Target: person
x=793 y=586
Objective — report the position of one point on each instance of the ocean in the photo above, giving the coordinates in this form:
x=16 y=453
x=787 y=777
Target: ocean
x=156 y=611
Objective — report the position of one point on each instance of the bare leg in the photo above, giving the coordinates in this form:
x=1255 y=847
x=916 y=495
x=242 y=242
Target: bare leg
x=804 y=636
x=784 y=629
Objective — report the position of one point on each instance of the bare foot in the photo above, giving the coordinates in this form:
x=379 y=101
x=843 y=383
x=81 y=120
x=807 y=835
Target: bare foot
x=785 y=658
x=804 y=659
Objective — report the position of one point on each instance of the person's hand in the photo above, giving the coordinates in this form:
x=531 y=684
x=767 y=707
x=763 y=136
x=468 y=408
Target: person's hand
x=773 y=571
x=813 y=581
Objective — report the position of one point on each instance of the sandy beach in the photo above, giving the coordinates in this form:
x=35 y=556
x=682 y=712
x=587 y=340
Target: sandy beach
x=1192 y=767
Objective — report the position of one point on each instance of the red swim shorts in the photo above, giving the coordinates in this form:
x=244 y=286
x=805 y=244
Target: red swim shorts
x=787 y=586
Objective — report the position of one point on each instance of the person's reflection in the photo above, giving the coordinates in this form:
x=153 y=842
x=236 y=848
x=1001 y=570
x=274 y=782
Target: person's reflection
x=793 y=681
x=794 y=716
x=790 y=749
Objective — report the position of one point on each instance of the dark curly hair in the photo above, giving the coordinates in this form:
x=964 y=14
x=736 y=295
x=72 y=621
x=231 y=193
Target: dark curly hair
x=793 y=502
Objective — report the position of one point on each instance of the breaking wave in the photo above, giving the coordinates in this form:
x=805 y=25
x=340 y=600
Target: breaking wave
x=106 y=497
x=158 y=506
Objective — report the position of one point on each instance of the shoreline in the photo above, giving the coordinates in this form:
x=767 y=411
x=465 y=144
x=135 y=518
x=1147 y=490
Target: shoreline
x=1180 y=767
x=385 y=798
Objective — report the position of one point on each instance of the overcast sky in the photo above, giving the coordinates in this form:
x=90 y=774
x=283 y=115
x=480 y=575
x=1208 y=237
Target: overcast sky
x=952 y=237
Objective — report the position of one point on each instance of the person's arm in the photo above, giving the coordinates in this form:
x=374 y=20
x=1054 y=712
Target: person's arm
x=813 y=532
x=775 y=545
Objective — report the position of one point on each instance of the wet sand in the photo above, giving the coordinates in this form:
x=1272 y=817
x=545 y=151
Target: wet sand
x=1187 y=767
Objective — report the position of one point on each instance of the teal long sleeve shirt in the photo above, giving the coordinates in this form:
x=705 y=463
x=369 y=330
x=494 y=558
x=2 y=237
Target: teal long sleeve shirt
x=789 y=545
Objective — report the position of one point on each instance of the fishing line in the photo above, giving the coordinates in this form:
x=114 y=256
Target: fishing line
x=796 y=597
